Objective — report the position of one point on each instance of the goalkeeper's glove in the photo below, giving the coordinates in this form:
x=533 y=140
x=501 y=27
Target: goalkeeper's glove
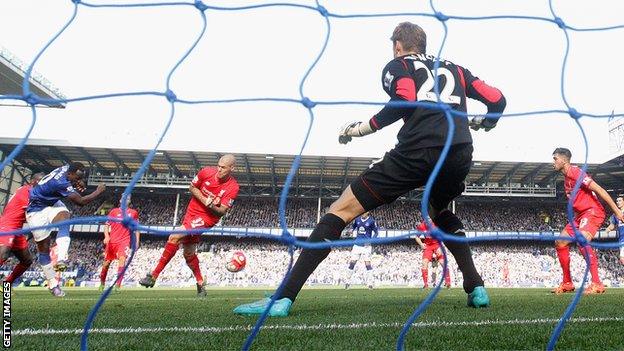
x=480 y=122
x=354 y=129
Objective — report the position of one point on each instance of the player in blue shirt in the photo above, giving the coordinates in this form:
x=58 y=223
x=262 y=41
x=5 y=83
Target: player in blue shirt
x=45 y=208
x=363 y=228
x=618 y=226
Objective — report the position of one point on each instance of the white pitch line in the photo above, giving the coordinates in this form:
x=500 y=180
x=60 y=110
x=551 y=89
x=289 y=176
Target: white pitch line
x=212 y=298
x=141 y=330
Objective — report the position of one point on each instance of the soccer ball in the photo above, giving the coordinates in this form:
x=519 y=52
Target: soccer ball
x=237 y=262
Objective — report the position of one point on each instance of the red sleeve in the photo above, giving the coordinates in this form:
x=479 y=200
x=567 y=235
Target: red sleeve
x=135 y=215
x=406 y=89
x=477 y=89
x=577 y=172
x=202 y=175
x=400 y=86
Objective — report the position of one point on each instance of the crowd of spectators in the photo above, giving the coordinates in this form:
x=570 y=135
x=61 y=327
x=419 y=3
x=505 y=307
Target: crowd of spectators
x=527 y=265
x=262 y=212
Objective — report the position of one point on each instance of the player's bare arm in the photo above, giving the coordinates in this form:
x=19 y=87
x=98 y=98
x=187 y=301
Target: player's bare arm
x=606 y=198
x=137 y=235
x=87 y=199
x=218 y=210
x=206 y=200
x=420 y=243
x=106 y=234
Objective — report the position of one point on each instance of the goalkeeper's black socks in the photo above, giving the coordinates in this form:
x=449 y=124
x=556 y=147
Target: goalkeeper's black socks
x=329 y=228
x=449 y=223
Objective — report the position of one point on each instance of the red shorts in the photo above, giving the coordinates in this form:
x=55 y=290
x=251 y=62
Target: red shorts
x=194 y=222
x=15 y=242
x=587 y=221
x=115 y=251
x=430 y=251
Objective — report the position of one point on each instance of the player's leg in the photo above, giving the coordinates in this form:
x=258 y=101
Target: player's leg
x=62 y=237
x=43 y=249
x=589 y=225
x=20 y=250
x=382 y=183
x=121 y=263
x=424 y=269
x=563 y=255
x=109 y=256
x=42 y=240
x=434 y=272
x=104 y=273
x=352 y=263
x=447 y=275
x=342 y=211
x=171 y=247
x=448 y=185
x=190 y=256
x=5 y=250
x=621 y=254
x=369 y=273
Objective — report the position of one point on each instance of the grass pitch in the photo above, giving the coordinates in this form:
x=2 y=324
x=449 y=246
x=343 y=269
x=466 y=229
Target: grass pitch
x=321 y=319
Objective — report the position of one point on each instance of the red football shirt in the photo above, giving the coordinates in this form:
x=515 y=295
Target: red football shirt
x=119 y=233
x=585 y=198
x=14 y=214
x=208 y=183
x=427 y=239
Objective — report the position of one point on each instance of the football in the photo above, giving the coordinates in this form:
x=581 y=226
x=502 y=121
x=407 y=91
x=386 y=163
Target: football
x=237 y=262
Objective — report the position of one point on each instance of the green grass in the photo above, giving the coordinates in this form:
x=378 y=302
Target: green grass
x=35 y=308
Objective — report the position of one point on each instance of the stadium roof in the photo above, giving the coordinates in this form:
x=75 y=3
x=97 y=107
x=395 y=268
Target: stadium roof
x=266 y=174
x=12 y=72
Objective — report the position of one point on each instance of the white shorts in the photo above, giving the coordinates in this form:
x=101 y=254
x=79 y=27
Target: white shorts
x=621 y=251
x=44 y=217
x=363 y=252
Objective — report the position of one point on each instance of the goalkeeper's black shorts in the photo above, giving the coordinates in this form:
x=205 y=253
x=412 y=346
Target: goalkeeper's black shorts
x=399 y=172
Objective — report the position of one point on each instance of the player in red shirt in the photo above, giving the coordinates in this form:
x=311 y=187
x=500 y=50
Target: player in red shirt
x=588 y=217
x=213 y=192
x=431 y=250
x=13 y=218
x=117 y=241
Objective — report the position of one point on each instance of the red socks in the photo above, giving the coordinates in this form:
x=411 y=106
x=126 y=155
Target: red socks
x=425 y=275
x=193 y=263
x=119 y=276
x=593 y=262
x=103 y=274
x=167 y=255
x=563 y=253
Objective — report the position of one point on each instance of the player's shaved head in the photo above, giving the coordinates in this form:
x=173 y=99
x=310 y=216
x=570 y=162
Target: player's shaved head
x=563 y=152
x=226 y=166
x=228 y=159
x=411 y=36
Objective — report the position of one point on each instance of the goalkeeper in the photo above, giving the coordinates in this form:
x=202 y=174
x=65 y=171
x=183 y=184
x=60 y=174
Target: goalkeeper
x=408 y=77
